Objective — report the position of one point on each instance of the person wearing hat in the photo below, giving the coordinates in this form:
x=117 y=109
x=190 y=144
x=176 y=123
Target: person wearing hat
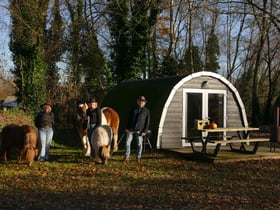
x=137 y=127
x=44 y=121
x=93 y=114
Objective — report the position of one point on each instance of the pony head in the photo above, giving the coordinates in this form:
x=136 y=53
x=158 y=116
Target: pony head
x=104 y=153
x=31 y=153
x=83 y=107
x=30 y=142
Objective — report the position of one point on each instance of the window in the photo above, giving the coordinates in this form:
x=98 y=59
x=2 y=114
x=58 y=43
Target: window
x=202 y=104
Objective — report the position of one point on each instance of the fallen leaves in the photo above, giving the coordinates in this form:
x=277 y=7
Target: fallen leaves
x=161 y=181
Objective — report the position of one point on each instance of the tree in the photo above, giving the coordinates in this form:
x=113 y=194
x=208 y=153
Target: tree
x=192 y=61
x=212 y=53
x=27 y=45
x=97 y=77
x=119 y=31
x=54 y=50
x=169 y=66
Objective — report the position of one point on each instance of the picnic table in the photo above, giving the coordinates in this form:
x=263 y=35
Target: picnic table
x=241 y=139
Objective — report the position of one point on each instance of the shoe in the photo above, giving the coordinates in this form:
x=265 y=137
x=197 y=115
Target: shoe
x=138 y=160
x=126 y=159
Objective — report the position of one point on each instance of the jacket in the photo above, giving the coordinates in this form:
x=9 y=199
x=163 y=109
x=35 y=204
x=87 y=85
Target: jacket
x=139 y=122
x=44 y=120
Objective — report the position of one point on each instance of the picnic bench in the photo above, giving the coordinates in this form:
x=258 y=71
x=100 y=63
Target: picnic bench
x=242 y=140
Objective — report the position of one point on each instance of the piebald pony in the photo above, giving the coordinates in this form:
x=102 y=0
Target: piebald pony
x=108 y=117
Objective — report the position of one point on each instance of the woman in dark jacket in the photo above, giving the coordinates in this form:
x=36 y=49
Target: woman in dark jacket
x=44 y=121
x=138 y=125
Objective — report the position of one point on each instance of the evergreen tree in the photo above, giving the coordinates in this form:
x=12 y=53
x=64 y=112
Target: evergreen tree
x=139 y=30
x=169 y=66
x=119 y=30
x=196 y=59
x=74 y=43
x=27 y=46
x=54 y=51
x=212 y=53
x=130 y=28
x=93 y=63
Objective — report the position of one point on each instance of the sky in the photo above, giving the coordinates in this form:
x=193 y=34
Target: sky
x=5 y=55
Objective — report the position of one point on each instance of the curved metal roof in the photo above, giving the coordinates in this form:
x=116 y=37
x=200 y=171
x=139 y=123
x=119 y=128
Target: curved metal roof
x=123 y=97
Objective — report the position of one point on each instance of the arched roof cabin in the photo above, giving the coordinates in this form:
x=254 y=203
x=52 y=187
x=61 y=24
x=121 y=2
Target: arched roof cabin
x=176 y=102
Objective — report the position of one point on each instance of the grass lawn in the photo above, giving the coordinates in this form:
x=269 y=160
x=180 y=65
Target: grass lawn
x=160 y=181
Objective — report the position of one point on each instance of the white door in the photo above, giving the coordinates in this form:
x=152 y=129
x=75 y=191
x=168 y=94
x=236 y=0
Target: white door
x=202 y=104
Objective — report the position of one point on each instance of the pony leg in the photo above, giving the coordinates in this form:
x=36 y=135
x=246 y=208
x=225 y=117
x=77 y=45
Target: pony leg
x=5 y=155
x=115 y=146
x=20 y=156
x=86 y=146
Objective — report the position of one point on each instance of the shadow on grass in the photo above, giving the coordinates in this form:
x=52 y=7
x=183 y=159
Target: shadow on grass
x=66 y=147
x=66 y=138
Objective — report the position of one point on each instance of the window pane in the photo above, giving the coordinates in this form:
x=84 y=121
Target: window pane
x=194 y=104
x=215 y=108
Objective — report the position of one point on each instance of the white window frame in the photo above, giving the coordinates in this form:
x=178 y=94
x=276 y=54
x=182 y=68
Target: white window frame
x=205 y=93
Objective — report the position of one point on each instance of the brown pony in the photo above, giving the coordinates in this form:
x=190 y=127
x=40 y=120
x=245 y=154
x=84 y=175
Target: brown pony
x=22 y=137
x=109 y=117
x=30 y=144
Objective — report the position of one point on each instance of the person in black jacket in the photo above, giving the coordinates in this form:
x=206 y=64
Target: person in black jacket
x=93 y=114
x=44 y=121
x=138 y=125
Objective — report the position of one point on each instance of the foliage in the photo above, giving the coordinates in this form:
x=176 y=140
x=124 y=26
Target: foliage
x=102 y=43
x=169 y=66
x=139 y=30
x=131 y=27
x=71 y=181
x=119 y=27
x=196 y=59
x=27 y=45
x=54 y=50
x=212 y=53
x=93 y=63
x=161 y=181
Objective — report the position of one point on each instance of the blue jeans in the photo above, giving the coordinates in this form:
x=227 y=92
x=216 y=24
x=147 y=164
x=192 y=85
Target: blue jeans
x=90 y=131
x=129 y=137
x=45 y=139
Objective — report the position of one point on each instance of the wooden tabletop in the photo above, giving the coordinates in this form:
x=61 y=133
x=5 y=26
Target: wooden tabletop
x=230 y=129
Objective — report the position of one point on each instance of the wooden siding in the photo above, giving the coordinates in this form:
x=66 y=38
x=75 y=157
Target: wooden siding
x=172 y=128
x=172 y=133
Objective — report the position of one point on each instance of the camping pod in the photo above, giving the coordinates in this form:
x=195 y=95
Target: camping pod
x=176 y=103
